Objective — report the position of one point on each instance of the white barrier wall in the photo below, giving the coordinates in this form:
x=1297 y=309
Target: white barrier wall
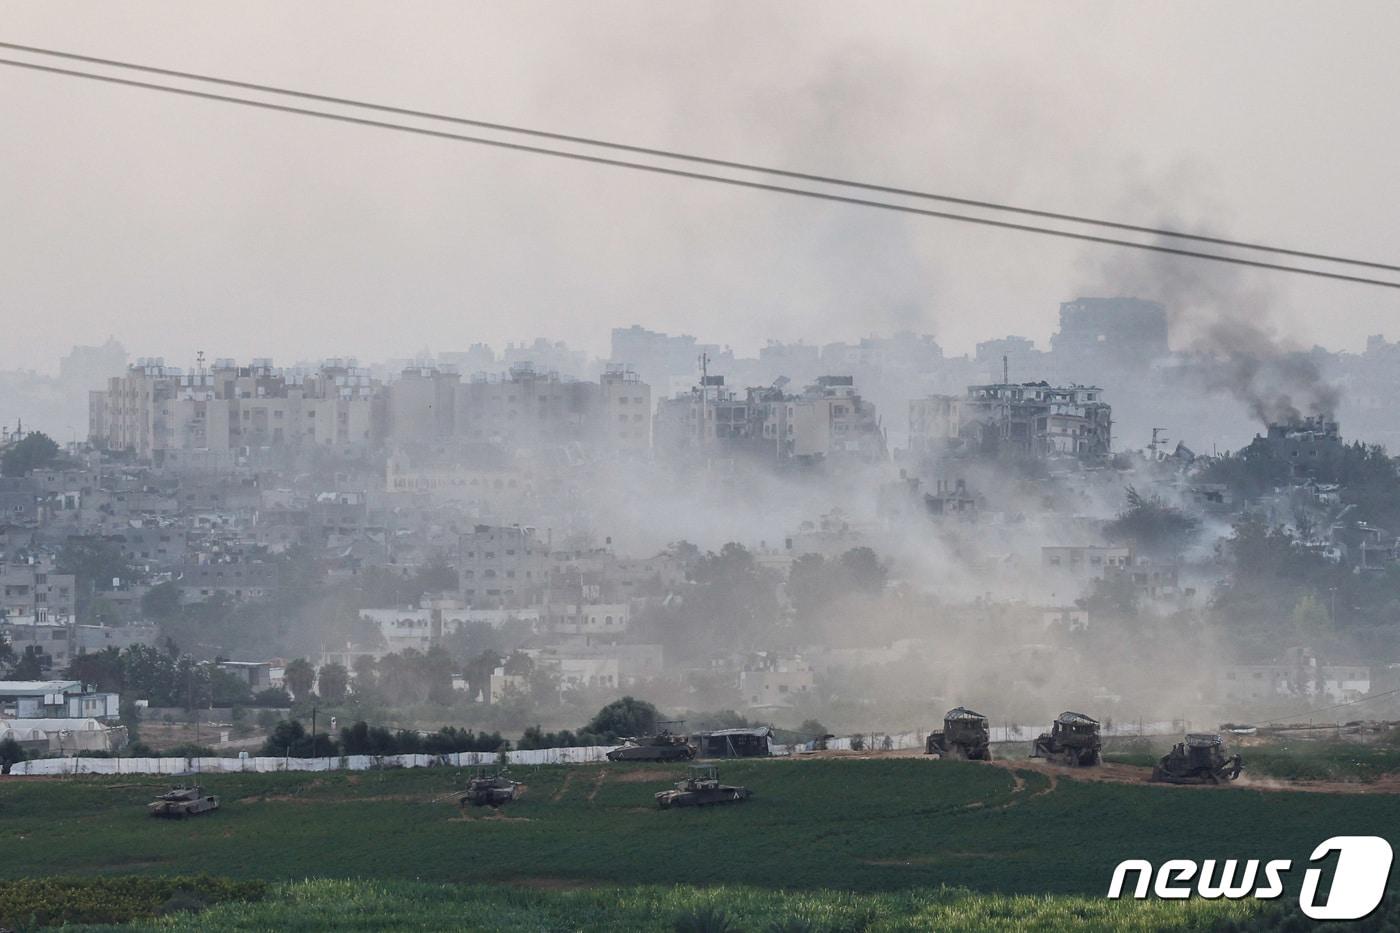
x=186 y=766
x=586 y=754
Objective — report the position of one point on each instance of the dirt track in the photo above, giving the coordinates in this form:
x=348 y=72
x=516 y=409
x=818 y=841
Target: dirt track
x=1132 y=774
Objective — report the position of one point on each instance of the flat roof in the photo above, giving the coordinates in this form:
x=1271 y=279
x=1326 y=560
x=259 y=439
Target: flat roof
x=14 y=688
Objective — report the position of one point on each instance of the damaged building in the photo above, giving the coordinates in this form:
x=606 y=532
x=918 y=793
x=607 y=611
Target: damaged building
x=828 y=419
x=1016 y=420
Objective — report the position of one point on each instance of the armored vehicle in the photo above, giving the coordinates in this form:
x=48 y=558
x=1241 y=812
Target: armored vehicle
x=180 y=802
x=490 y=790
x=1198 y=760
x=1073 y=738
x=663 y=746
x=701 y=788
x=965 y=735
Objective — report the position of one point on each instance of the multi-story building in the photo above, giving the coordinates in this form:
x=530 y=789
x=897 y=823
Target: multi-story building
x=625 y=415
x=1111 y=331
x=479 y=477
x=935 y=423
x=422 y=405
x=235 y=578
x=35 y=591
x=527 y=408
x=228 y=408
x=827 y=419
x=1087 y=561
x=1036 y=419
x=659 y=357
x=19 y=501
x=523 y=408
x=502 y=566
x=49 y=641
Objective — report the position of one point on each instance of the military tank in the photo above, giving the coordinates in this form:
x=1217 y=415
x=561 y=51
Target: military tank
x=1200 y=759
x=1073 y=739
x=965 y=734
x=701 y=788
x=665 y=745
x=490 y=790
x=180 y=802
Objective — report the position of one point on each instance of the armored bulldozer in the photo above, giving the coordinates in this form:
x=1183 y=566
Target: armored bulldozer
x=1073 y=739
x=701 y=788
x=180 y=802
x=490 y=790
x=665 y=745
x=1198 y=760
x=965 y=735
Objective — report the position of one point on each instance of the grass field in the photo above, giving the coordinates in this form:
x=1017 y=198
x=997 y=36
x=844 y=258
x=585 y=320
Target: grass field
x=379 y=905
x=864 y=826
x=1295 y=760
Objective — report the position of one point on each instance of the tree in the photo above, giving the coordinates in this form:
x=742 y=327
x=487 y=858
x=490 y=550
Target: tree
x=30 y=667
x=365 y=677
x=624 y=718
x=272 y=697
x=534 y=737
x=227 y=689
x=299 y=677
x=290 y=737
x=864 y=571
x=103 y=669
x=519 y=664
x=364 y=739
x=10 y=754
x=809 y=586
x=478 y=672
x=95 y=562
x=34 y=451
x=1153 y=527
x=334 y=681
x=1312 y=622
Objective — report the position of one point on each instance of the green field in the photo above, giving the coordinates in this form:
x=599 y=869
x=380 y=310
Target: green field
x=880 y=829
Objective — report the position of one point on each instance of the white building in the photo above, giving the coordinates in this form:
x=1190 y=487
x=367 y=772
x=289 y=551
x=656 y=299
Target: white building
x=49 y=699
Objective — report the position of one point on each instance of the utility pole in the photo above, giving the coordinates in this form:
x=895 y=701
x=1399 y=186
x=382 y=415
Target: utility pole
x=313 y=732
x=704 y=396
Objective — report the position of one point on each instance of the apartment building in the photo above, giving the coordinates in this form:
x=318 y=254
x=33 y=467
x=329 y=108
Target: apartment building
x=228 y=408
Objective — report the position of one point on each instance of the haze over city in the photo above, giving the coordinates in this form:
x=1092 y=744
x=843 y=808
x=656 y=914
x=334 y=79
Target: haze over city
x=698 y=468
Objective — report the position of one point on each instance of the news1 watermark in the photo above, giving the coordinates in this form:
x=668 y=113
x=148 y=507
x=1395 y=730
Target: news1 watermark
x=1358 y=879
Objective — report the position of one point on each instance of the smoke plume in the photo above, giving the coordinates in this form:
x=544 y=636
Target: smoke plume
x=1221 y=317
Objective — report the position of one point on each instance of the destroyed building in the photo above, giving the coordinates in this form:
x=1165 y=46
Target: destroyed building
x=1016 y=420
x=1306 y=445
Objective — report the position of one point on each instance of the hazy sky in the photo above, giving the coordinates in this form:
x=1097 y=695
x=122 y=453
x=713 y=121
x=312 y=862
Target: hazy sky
x=178 y=225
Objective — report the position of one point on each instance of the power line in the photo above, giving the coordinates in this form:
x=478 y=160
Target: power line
x=707 y=160
x=699 y=176
x=1365 y=699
